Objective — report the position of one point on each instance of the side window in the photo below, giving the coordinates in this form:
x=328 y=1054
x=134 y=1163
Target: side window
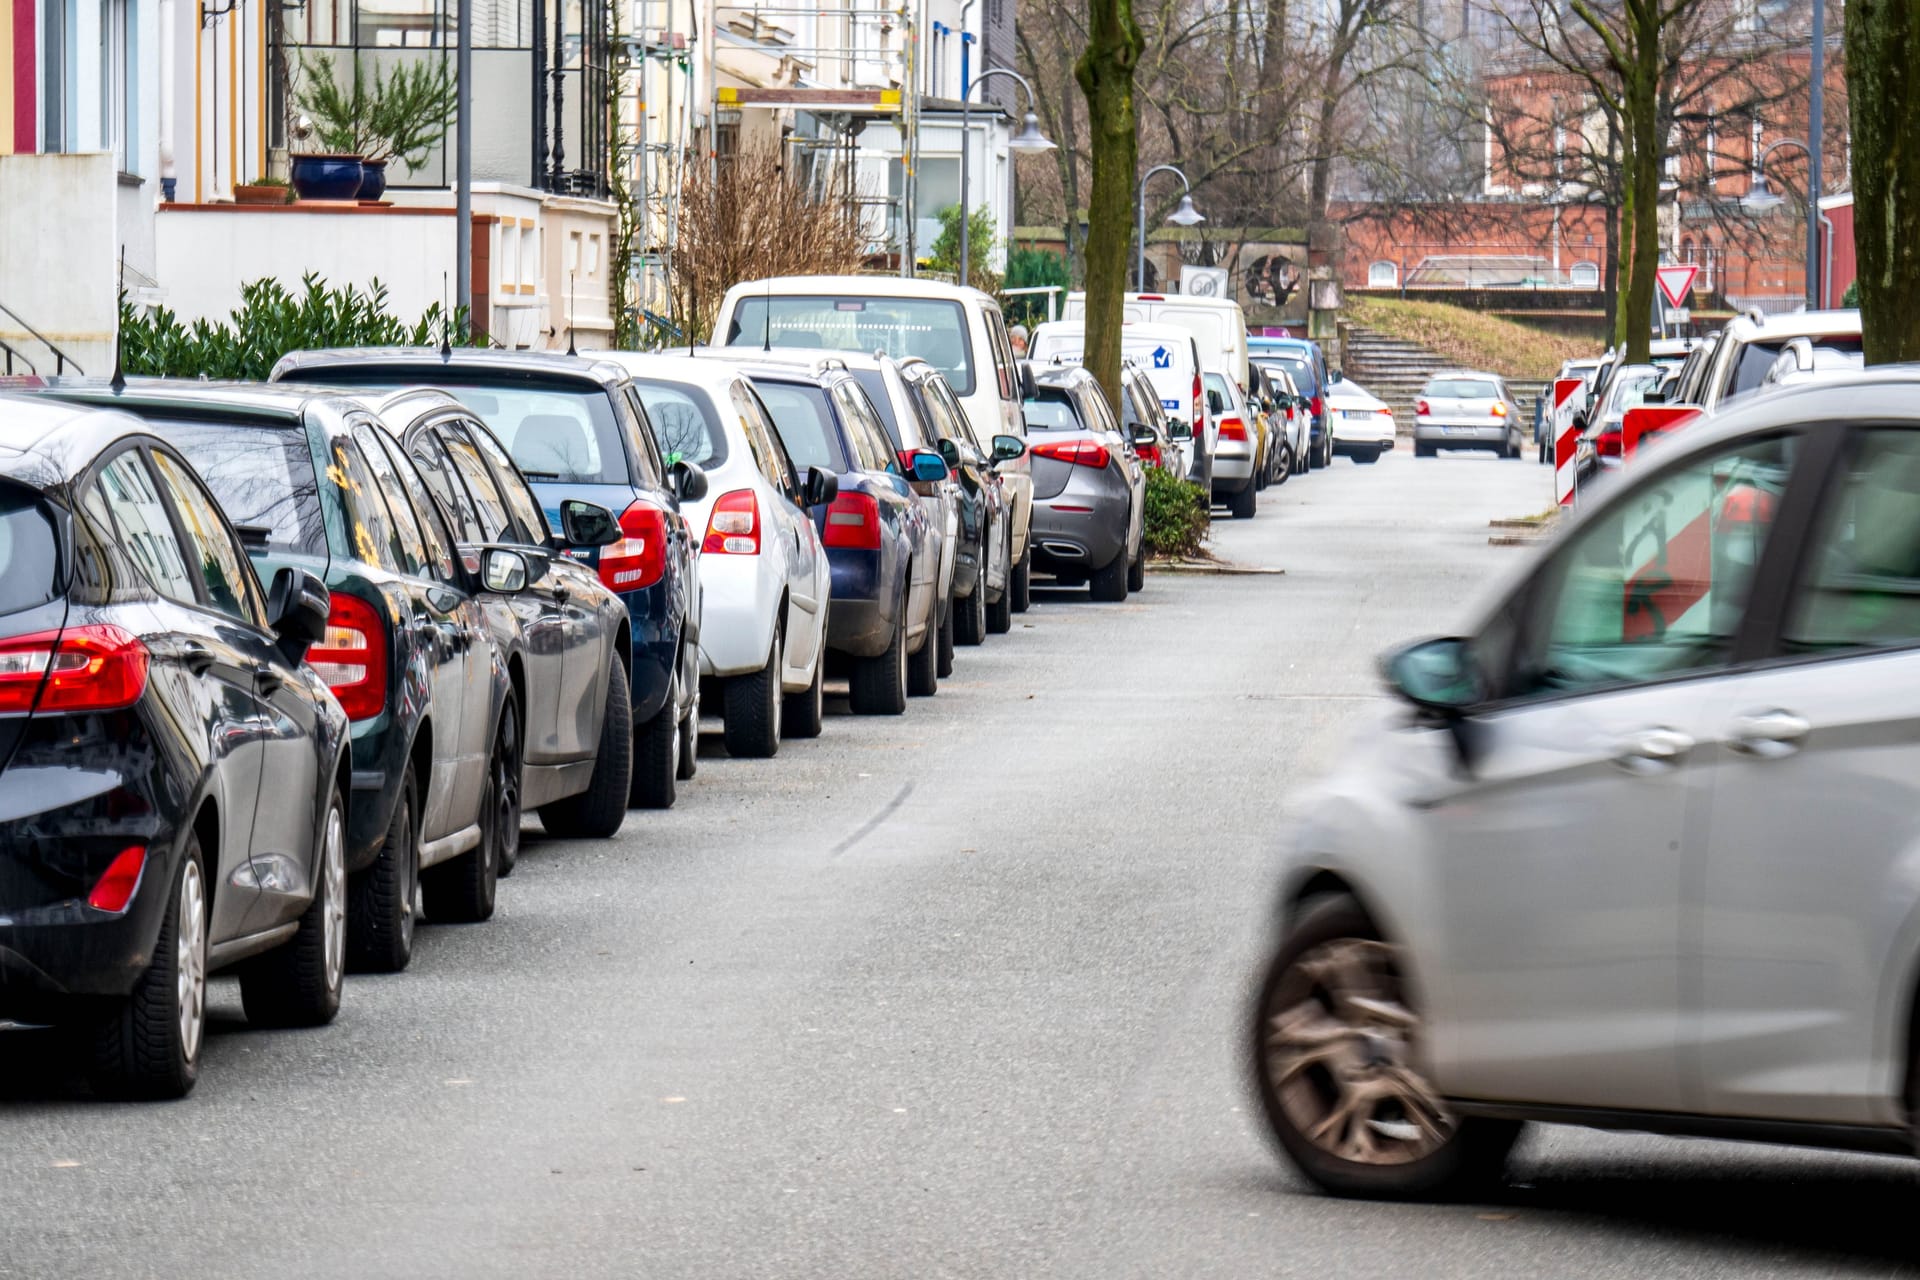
x=145 y=529
x=513 y=487
x=1861 y=587
x=768 y=456
x=433 y=529
x=653 y=468
x=495 y=521
x=854 y=415
x=879 y=444
x=369 y=524
x=1658 y=585
x=223 y=566
x=1002 y=347
x=409 y=545
x=436 y=468
x=943 y=394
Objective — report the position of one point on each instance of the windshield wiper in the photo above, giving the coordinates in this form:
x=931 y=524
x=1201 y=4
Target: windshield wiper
x=541 y=475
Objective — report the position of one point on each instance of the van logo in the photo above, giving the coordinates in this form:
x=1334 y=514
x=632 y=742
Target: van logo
x=1162 y=358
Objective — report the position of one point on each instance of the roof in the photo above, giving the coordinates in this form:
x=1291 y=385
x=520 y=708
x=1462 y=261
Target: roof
x=593 y=366
x=190 y=395
x=865 y=286
x=677 y=366
x=1795 y=324
x=1437 y=374
x=48 y=439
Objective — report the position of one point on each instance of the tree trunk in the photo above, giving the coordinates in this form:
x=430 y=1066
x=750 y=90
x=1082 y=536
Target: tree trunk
x=1070 y=177
x=1883 y=46
x=1642 y=98
x=1105 y=73
x=1610 y=266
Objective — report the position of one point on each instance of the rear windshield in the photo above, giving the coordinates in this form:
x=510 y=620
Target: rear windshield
x=685 y=421
x=262 y=477
x=1756 y=358
x=1300 y=369
x=1052 y=411
x=1461 y=389
x=805 y=423
x=28 y=565
x=933 y=329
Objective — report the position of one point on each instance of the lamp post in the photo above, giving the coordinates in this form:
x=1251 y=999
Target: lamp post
x=1186 y=216
x=1028 y=139
x=1762 y=198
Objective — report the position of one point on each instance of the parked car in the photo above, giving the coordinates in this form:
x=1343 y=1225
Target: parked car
x=1639 y=851
x=1293 y=414
x=765 y=579
x=565 y=736
x=1363 y=426
x=1463 y=409
x=1307 y=363
x=1170 y=357
x=1141 y=416
x=1089 y=486
x=1233 y=464
x=957 y=330
x=1269 y=423
x=174 y=779
x=884 y=620
x=1746 y=349
x=576 y=429
x=1600 y=443
x=1218 y=326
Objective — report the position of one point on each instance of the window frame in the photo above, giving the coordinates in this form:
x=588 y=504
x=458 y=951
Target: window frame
x=94 y=476
x=434 y=533
x=252 y=596
x=507 y=478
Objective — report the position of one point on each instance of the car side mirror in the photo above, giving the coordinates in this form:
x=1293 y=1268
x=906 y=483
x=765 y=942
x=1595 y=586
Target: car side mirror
x=950 y=454
x=1007 y=448
x=821 y=487
x=504 y=570
x=1143 y=434
x=1437 y=675
x=1216 y=403
x=298 y=606
x=587 y=524
x=689 y=481
x=929 y=467
x=1334 y=376
x=1179 y=428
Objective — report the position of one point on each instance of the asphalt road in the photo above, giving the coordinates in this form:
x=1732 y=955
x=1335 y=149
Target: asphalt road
x=958 y=994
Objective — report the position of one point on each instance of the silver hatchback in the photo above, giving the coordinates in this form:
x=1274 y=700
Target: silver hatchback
x=1466 y=410
x=1641 y=850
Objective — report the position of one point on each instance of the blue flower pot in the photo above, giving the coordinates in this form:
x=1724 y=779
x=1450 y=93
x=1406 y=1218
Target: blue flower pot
x=327 y=177
x=373 y=183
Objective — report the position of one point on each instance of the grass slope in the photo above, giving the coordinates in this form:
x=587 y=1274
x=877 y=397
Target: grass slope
x=1470 y=339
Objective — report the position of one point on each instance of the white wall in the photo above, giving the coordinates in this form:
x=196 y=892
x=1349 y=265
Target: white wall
x=58 y=256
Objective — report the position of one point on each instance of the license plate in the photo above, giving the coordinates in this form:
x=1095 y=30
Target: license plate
x=1459 y=431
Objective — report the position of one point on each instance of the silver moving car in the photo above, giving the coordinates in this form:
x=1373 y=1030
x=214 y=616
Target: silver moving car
x=1088 y=485
x=1643 y=849
x=1462 y=409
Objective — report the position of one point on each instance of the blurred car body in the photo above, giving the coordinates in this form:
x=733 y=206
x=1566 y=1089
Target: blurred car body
x=1363 y=426
x=1089 y=486
x=1466 y=409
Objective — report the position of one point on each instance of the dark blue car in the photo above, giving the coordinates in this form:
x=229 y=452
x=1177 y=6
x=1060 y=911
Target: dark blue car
x=577 y=429
x=884 y=621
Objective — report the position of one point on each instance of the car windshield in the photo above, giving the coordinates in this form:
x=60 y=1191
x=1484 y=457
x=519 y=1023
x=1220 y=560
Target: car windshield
x=1461 y=389
x=1756 y=358
x=27 y=559
x=1630 y=388
x=685 y=421
x=1301 y=371
x=1051 y=410
x=805 y=422
x=931 y=328
x=263 y=478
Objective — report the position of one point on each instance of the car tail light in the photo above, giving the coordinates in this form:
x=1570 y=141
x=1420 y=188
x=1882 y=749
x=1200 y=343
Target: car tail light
x=1317 y=405
x=1499 y=409
x=1149 y=297
x=1199 y=422
x=1420 y=407
x=734 y=527
x=1150 y=454
x=1080 y=453
x=853 y=521
x=1233 y=429
x=352 y=656
x=1607 y=444
x=640 y=557
x=99 y=667
x=115 y=889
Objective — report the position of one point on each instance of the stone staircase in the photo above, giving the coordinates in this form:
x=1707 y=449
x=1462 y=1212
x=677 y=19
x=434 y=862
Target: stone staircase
x=1391 y=368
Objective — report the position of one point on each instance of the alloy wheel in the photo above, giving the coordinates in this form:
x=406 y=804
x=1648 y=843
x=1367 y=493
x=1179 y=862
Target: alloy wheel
x=506 y=787
x=333 y=916
x=1339 y=1057
x=190 y=960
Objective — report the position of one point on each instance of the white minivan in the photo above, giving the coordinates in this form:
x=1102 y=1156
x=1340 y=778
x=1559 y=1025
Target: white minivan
x=1217 y=324
x=958 y=331
x=1170 y=357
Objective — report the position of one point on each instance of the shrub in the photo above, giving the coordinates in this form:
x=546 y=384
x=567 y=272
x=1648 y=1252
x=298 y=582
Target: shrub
x=1027 y=268
x=946 y=249
x=1851 y=298
x=1176 y=520
x=269 y=323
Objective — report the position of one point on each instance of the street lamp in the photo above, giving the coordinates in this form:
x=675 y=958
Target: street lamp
x=1762 y=198
x=1185 y=215
x=1028 y=139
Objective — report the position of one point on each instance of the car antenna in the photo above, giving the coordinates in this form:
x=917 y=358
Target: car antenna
x=766 y=321
x=119 y=382
x=572 y=311
x=446 y=320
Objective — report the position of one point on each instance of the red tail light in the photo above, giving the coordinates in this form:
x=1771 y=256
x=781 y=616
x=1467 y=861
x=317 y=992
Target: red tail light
x=1317 y=405
x=1420 y=407
x=853 y=521
x=100 y=667
x=116 y=887
x=1150 y=454
x=1499 y=409
x=734 y=527
x=1233 y=429
x=1081 y=453
x=352 y=656
x=640 y=558
x=1199 y=421
x=1607 y=444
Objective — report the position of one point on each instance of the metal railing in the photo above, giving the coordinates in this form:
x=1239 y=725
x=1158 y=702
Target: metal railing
x=60 y=358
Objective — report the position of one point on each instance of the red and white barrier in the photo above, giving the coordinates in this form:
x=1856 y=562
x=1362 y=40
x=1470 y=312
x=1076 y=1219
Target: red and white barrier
x=1566 y=437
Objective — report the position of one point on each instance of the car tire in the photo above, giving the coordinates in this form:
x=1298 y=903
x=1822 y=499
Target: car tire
x=463 y=889
x=1366 y=457
x=945 y=665
x=148 y=1046
x=381 y=900
x=751 y=707
x=509 y=806
x=656 y=757
x=689 y=762
x=806 y=711
x=878 y=685
x=298 y=983
x=923 y=666
x=970 y=614
x=1243 y=504
x=1000 y=612
x=1109 y=582
x=602 y=807
x=1335 y=970
x=1284 y=468
x=1423 y=450
x=1020 y=584
x=1137 y=568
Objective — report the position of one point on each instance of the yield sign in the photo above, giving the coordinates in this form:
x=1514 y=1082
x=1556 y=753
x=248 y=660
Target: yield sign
x=1676 y=282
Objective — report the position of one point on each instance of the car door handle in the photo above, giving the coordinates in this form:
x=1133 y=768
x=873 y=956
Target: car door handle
x=1767 y=734
x=196 y=656
x=266 y=679
x=1653 y=750
x=561 y=594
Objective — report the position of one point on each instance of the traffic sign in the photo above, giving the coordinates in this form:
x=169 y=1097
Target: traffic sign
x=1676 y=282
x=1566 y=436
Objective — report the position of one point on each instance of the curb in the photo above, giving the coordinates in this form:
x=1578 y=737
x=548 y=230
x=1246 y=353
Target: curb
x=1220 y=568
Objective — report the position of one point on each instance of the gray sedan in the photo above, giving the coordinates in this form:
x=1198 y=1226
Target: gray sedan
x=1088 y=485
x=1462 y=409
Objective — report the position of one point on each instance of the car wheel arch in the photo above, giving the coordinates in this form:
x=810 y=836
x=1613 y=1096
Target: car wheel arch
x=206 y=828
x=420 y=756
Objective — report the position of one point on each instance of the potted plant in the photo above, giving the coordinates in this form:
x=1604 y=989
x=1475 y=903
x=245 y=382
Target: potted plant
x=261 y=191
x=404 y=114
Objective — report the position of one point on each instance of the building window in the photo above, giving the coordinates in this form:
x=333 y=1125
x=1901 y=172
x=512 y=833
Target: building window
x=56 y=43
x=1584 y=275
x=119 y=83
x=1383 y=275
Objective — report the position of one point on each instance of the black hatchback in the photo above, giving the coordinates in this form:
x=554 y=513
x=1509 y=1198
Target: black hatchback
x=174 y=780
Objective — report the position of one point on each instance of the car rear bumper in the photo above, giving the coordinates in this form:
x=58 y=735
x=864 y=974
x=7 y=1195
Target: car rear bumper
x=1070 y=540
x=861 y=619
x=738 y=598
x=1462 y=435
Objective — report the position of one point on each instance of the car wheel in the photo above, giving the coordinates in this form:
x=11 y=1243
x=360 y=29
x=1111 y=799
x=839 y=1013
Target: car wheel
x=689 y=762
x=1109 y=582
x=656 y=757
x=1422 y=449
x=508 y=795
x=923 y=666
x=1283 y=465
x=806 y=711
x=970 y=614
x=149 y=1045
x=1243 y=503
x=602 y=807
x=1336 y=1056
x=297 y=984
x=1020 y=584
x=878 y=685
x=1137 y=569
x=945 y=666
x=1366 y=457
x=381 y=900
x=1000 y=612
x=462 y=890
x=751 y=707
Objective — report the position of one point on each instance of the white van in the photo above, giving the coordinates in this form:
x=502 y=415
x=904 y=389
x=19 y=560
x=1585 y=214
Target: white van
x=958 y=331
x=1168 y=354
x=1217 y=324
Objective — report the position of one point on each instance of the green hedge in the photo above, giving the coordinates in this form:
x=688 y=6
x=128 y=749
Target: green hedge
x=1177 y=519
